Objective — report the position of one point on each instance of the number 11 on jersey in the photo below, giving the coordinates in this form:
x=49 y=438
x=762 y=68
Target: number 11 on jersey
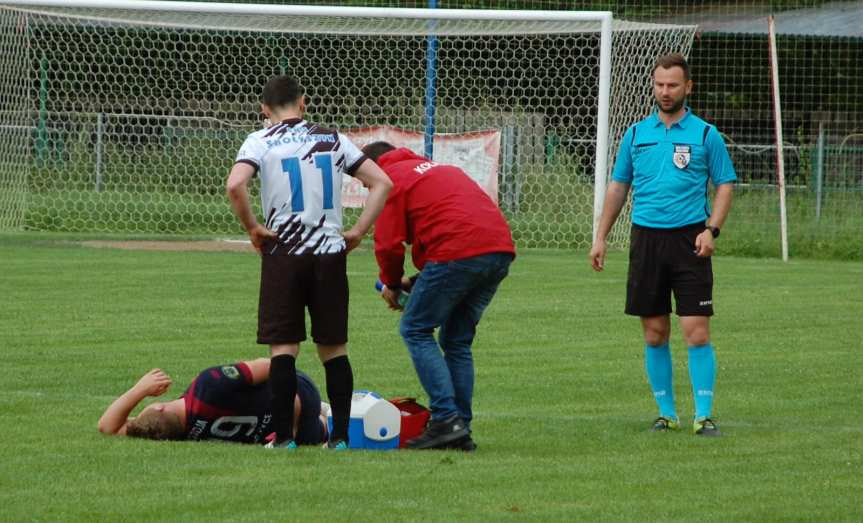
x=324 y=163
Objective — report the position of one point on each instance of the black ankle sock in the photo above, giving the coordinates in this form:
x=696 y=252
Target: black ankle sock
x=283 y=388
x=340 y=387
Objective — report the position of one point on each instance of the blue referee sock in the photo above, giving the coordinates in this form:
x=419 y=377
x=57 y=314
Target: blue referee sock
x=702 y=373
x=657 y=361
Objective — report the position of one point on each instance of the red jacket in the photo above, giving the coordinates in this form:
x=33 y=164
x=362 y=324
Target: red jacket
x=437 y=209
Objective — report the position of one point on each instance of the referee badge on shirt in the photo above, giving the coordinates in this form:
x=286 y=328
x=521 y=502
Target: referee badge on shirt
x=681 y=156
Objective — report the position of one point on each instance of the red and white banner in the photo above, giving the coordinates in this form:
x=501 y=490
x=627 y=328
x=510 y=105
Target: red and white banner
x=476 y=153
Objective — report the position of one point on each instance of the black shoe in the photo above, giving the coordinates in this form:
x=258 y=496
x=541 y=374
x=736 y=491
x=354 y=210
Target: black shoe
x=439 y=434
x=464 y=445
x=705 y=427
x=663 y=424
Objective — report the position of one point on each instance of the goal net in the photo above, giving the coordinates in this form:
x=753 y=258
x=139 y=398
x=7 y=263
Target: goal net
x=125 y=117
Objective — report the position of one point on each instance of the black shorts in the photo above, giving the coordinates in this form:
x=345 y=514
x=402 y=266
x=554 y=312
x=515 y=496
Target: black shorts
x=310 y=429
x=662 y=261
x=289 y=284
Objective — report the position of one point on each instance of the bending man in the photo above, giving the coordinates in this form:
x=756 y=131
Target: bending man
x=462 y=245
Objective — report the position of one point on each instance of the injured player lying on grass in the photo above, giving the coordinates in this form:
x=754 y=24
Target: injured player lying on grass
x=227 y=403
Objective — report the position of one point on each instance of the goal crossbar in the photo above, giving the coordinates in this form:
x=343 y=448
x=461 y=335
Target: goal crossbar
x=311 y=10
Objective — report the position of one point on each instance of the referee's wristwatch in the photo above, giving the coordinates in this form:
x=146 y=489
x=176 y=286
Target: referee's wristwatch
x=713 y=230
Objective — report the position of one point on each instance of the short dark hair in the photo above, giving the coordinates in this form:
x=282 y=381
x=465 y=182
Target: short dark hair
x=375 y=150
x=667 y=61
x=282 y=90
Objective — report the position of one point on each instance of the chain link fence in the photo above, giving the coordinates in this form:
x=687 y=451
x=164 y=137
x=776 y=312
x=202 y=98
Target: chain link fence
x=820 y=48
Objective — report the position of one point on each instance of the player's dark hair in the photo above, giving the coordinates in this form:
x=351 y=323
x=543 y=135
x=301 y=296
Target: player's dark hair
x=375 y=150
x=281 y=91
x=156 y=425
x=667 y=61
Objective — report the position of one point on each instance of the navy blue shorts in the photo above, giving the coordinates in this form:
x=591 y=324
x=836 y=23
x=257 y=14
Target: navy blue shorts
x=310 y=430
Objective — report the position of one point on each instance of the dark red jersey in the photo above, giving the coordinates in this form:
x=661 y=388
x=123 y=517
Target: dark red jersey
x=222 y=403
x=437 y=209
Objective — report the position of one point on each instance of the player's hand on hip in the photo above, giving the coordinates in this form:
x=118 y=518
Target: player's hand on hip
x=352 y=239
x=260 y=236
x=704 y=244
x=597 y=255
x=154 y=383
x=392 y=298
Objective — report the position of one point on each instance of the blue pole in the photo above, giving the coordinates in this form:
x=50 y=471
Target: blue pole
x=431 y=91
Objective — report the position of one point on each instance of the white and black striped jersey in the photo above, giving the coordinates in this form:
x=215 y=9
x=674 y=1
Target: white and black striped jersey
x=301 y=167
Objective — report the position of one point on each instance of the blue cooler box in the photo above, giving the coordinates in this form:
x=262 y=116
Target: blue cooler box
x=375 y=422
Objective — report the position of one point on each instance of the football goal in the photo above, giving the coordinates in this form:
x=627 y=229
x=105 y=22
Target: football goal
x=123 y=116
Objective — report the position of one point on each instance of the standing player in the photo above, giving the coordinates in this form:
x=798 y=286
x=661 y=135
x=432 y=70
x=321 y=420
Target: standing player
x=669 y=158
x=302 y=245
x=226 y=403
x=463 y=247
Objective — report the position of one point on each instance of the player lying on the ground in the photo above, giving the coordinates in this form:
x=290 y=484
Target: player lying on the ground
x=228 y=403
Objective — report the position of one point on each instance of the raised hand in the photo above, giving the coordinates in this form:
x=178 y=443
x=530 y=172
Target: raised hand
x=154 y=383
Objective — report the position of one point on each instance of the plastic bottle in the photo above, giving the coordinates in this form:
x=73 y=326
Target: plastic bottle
x=402 y=297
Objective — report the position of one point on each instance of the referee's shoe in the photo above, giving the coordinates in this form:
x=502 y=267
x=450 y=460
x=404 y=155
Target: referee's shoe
x=664 y=424
x=439 y=434
x=705 y=427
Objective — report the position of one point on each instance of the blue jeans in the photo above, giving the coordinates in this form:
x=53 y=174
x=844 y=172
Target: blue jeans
x=451 y=296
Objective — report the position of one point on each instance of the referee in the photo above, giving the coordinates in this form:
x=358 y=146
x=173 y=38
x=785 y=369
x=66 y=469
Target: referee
x=669 y=158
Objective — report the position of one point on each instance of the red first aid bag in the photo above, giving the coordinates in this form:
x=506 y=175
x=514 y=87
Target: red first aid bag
x=414 y=418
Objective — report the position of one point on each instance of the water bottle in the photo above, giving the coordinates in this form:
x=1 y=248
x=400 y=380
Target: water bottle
x=402 y=297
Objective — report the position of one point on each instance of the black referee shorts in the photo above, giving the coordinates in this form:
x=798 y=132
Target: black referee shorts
x=289 y=284
x=662 y=261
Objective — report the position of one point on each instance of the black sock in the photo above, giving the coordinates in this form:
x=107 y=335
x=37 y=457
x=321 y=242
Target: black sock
x=283 y=388
x=340 y=388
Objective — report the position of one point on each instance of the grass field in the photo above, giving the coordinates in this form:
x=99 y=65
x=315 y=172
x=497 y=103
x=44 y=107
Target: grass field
x=562 y=404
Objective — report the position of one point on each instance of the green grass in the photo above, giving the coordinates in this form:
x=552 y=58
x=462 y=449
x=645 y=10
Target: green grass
x=753 y=226
x=562 y=404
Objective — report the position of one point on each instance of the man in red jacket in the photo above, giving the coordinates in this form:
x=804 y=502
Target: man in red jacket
x=463 y=247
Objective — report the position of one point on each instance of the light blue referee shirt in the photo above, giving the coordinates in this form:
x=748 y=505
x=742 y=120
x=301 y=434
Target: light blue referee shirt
x=669 y=170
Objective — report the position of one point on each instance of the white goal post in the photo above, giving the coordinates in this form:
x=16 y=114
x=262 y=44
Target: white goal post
x=123 y=116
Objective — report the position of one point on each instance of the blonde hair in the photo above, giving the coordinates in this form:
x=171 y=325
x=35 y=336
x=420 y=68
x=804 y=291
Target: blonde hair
x=158 y=425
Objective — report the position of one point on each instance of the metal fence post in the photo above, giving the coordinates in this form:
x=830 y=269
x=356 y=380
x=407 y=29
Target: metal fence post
x=819 y=171
x=99 y=130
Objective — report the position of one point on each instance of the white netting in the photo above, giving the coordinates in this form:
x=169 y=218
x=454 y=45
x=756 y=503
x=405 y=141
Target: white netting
x=15 y=120
x=130 y=120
